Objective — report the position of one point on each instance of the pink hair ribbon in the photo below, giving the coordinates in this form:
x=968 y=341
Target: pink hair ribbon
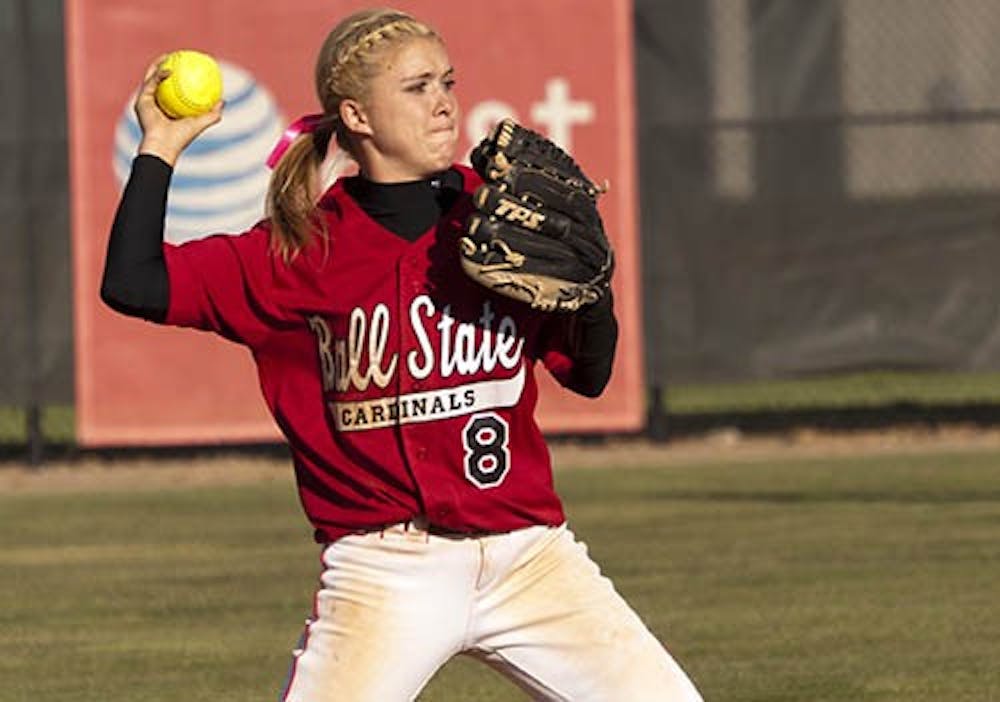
x=303 y=125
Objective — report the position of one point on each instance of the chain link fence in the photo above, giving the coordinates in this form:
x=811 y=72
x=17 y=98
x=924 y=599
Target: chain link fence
x=819 y=186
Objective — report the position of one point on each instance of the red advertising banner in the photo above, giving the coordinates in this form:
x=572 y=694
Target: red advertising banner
x=562 y=67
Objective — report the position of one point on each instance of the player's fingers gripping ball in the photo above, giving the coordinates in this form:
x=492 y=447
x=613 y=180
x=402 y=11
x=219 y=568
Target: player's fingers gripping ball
x=193 y=87
x=536 y=234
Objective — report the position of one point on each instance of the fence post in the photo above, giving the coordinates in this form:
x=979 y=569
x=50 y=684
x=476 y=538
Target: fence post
x=32 y=337
x=656 y=418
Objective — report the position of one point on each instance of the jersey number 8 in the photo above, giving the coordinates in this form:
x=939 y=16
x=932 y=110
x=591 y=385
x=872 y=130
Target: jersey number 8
x=487 y=456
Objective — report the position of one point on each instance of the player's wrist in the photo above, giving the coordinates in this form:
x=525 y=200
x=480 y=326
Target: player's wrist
x=599 y=310
x=163 y=151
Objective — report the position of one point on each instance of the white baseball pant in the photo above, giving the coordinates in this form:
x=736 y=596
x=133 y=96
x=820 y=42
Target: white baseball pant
x=395 y=605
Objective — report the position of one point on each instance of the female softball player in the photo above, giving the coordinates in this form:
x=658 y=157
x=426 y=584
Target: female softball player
x=406 y=390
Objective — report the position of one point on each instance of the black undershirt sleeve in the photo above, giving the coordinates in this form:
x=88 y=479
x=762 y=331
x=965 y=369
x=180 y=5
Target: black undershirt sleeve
x=135 y=272
x=593 y=336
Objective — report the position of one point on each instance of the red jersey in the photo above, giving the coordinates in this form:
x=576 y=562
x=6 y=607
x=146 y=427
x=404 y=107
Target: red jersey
x=403 y=387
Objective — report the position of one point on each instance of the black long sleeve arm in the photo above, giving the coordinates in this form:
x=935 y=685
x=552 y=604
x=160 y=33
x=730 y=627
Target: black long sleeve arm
x=135 y=272
x=593 y=336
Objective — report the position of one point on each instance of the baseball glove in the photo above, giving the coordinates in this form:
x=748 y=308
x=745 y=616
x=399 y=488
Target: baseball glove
x=536 y=234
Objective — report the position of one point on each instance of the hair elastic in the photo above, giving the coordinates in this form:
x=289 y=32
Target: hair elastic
x=303 y=125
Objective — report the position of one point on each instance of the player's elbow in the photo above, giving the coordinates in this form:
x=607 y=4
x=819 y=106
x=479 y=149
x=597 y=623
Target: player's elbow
x=118 y=295
x=115 y=298
x=125 y=296
x=112 y=294
x=590 y=385
x=591 y=393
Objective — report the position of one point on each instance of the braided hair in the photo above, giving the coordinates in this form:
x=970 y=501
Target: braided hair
x=345 y=67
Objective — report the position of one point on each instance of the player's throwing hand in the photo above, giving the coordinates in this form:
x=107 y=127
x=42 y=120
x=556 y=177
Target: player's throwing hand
x=162 y=135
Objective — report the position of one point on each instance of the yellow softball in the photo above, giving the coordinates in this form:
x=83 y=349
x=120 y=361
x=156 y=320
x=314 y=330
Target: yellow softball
x=193 y=86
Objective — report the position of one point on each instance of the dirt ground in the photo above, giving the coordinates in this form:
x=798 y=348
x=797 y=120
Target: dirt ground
x=219 y=467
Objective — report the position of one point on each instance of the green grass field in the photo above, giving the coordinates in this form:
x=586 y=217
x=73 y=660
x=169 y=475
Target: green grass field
x=862 y=578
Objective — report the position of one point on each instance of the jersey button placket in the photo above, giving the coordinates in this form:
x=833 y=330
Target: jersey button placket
x=410 y=286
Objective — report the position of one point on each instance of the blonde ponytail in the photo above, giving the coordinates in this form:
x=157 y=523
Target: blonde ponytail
x=292 y=194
